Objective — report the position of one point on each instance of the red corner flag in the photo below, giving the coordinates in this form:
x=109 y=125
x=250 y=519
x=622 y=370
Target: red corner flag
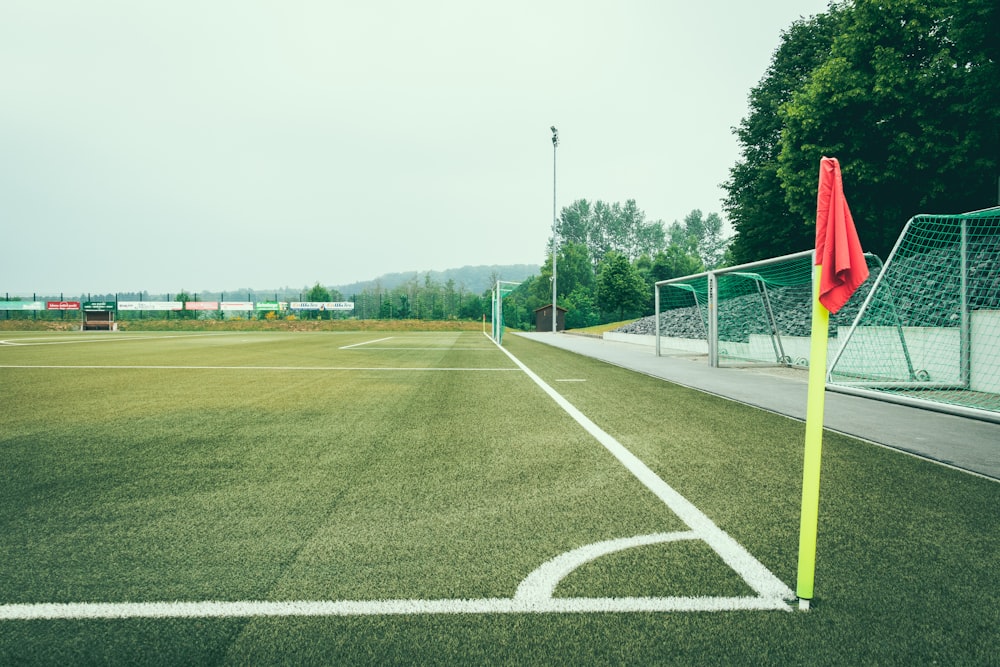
x=838 y=249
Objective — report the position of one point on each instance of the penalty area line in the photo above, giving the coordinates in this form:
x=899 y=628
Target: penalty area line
x=365 y=342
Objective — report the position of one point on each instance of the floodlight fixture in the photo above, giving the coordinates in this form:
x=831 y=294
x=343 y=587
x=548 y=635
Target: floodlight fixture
x=555 y=230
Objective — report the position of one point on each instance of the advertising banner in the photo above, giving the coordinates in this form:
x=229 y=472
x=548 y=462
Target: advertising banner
x=237 y=305
x=322 y=305
x=99 y=305
x=150 y=305
x=201 y=305
x=271 y=305
x=22 y=305
x=62 y=305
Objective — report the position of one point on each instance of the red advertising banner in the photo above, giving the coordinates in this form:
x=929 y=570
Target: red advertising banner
x=201 y=305
x=62 y=305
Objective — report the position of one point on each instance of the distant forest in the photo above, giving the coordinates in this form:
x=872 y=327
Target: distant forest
x=473 y=278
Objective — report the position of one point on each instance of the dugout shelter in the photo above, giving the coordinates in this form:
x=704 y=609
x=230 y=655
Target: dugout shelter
x=99 y=316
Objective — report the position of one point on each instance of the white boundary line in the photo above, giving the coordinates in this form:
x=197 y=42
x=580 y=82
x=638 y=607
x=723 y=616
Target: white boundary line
x=250 y=608
x=366 y=342
x=116 y=337
x=440 y=348
x=414 y=349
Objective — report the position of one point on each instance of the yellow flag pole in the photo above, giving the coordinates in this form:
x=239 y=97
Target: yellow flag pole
x=813 y=447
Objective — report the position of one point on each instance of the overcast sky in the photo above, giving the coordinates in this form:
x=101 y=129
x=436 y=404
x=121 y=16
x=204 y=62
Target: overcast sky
x=210 y=145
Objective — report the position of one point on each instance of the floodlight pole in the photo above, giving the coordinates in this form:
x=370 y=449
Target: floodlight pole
x=555 y=242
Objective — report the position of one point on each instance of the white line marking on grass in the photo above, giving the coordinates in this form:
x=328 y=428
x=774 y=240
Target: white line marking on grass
x=541 y=584
x=439 y=348
x=366 y=342
x=117 y=337
x=252 y=608
x=758 y=577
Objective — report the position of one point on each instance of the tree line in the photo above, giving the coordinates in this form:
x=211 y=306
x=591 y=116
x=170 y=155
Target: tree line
x=425 y=299
x=609 y=257
x=905 y=94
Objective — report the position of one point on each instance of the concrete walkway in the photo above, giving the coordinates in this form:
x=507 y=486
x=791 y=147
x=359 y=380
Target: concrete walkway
x=965 y=443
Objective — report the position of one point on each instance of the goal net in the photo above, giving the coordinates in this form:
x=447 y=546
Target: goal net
x=930 y=327
x=751 y=314
x=501 y=289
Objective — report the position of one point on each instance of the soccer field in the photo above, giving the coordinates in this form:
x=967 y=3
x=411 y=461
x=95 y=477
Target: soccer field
x=379 y=497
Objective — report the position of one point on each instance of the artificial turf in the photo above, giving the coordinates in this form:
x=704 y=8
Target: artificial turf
x=294 y=467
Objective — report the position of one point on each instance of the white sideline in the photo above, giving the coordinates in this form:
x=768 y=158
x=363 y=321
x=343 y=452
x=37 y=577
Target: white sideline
x=120 y=337
x=366 y=342
x=113 y=610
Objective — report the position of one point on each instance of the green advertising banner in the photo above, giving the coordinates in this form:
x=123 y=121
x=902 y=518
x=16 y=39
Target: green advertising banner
x=99 y=305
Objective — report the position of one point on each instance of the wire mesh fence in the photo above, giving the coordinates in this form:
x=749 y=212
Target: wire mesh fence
x=930 y=329
x=925 y=327
x=762 y=310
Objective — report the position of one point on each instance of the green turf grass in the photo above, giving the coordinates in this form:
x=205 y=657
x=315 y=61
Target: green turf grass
x=158 y=484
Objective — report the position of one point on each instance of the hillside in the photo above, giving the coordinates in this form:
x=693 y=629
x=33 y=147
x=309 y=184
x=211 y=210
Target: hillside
x=476 y=279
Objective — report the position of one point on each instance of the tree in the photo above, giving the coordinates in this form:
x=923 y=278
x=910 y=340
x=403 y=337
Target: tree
x=620 y=287
x=431 y=300
x=581 y=309
x=320 y=294
x=604 y=227
x=909 y=101
x=473 y=307
x=906 y=94
x=184 y=313
x=755 y=202
x=574 y=270
x=702 y=237
x=713 y=245
x=636 y=237
x=449 y=307
x=575 y=223
x=675 y=263
x=644 y=267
